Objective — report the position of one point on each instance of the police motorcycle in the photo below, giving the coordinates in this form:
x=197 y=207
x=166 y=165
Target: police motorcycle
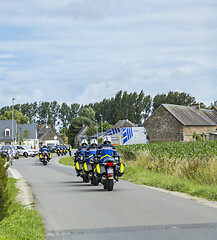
x=44 y=155
x=58 y=150
x=109 y=167
x=61 y=150
x=80 y=159
x=90 y=162
x=65 y=150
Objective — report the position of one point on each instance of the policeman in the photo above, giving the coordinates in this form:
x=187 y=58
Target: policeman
x=91 y=150
x=106 y=149
x=82 y=149
x=70 y=150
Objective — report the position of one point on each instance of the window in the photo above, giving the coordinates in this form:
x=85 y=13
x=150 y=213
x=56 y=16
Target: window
x=7 y=132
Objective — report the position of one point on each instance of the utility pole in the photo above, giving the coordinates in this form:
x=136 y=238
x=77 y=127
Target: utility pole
x=13 y=121
x=96 y=129
x=101 y=123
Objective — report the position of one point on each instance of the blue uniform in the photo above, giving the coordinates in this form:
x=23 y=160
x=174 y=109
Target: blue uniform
x=91 y=152
x=45 y=149
x=105 y=151
x=81 y=151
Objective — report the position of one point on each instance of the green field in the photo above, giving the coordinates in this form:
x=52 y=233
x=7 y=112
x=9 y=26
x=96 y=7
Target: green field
x=189 y=167
x=178 y=150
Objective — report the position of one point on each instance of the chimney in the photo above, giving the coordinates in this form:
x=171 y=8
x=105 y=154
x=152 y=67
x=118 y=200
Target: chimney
x=196 y=105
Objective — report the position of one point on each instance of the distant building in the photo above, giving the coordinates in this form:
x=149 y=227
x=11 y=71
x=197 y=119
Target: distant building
x=181 y=123
x=123 y=123
x=22 y=133
x=80 y=136
x=47 y=134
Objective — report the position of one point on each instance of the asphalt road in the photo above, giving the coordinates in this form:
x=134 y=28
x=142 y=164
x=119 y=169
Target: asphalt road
x=76 y=210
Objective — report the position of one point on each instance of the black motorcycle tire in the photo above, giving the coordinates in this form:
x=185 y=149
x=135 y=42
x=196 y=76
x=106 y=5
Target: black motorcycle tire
x=110 y=184
x=85 y=178
x=95 y=181
x=45 y=163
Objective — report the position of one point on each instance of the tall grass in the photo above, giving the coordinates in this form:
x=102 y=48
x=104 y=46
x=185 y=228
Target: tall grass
x=199 y=170
x=189 y=167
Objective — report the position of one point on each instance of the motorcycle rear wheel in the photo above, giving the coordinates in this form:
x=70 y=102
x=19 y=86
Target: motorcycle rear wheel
x=110 y=184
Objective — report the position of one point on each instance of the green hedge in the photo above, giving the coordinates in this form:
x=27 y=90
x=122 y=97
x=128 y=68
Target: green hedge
x=5 y=200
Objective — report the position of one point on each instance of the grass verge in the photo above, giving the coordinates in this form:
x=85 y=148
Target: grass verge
x=136 y=174
x=21 y=223
x=69 y=161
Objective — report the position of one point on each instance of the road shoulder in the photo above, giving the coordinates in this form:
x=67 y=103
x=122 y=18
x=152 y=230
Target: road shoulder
x=24 y=195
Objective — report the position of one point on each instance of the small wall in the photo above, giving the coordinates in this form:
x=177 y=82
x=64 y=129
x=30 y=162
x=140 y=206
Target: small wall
x=188 y=132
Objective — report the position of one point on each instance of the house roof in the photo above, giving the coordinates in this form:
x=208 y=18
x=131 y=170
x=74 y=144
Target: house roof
x=29 y=127
x=212 y=114
x=82 y=131
x=46 y=132
x=123 y=123
x=42 y=131
x=7 y=124
x=191 y=116
x=99 y=135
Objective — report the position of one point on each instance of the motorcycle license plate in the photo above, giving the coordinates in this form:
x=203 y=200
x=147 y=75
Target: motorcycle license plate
x=110 y=170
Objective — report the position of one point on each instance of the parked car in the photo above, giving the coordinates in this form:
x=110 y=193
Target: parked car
x=26 y=151
x=5 y=148
x=52 y=147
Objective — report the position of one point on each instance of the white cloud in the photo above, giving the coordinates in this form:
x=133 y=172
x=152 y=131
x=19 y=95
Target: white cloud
x=94 y=48
x=86 y=9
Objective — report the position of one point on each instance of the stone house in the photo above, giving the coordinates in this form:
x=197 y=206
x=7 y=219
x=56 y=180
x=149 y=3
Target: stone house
x=48 y=134
x=175 y=123
x=123 y=123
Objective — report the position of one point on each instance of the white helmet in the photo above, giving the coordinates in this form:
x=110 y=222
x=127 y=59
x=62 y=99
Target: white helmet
x=106 y=139
x=84 y=142
x=93 y=142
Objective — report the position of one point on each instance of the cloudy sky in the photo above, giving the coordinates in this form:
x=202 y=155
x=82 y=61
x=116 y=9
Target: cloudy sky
x=86 y=50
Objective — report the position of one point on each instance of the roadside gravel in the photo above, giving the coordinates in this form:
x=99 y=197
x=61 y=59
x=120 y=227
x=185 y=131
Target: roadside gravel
x=24 y=195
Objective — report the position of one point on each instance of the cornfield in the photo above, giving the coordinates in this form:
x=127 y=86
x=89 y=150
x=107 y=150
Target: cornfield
x=178 y=150
x=196 y=161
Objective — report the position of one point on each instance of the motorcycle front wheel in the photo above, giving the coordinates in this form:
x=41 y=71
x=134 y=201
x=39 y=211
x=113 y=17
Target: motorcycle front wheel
x=85 y=178
x=95 y=181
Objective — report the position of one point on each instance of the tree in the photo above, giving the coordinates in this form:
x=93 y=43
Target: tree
x=43 y=112
x=117 y=107
x=74 y=110
x=21 y=135
x=213 y=105
x=177 y=98
x=88 y=113
x=53 y=114
x=21 y=119
x=64 y=115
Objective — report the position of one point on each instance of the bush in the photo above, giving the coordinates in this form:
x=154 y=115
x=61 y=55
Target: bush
x=5 y=201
